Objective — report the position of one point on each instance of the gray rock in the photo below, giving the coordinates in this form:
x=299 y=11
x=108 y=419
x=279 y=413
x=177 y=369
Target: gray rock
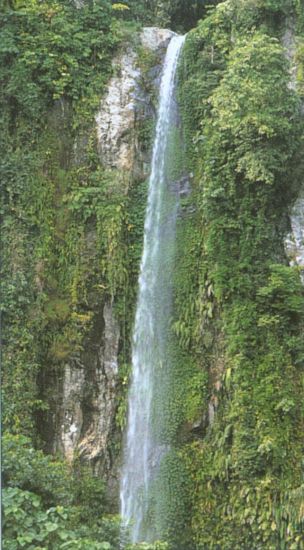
x=294 y=243
x=88 y=398
x=79 y=4
x=124 y=100
x=154 y=38
x=289 y=44
x=116 y=117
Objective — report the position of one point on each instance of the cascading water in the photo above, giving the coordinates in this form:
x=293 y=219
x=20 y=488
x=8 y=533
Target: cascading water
x=145 y=446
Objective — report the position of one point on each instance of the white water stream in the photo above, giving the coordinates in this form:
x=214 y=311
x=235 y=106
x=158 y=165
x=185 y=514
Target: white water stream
x=144 y=447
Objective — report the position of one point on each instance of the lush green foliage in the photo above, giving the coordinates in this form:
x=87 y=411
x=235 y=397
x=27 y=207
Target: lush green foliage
x=28 y=525
x=52 y=50
x=72 y=238
x=243 y=138
x=180 y=15
x=48 y=506
x=31 y=470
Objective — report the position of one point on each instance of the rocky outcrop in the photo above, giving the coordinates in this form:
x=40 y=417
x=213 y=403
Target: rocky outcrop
x=289 y=44
x=294 y=243
x=116 y=118
x=79 y=4
x=88 y=396
x=154 y=38
x=72 y=416
x=126 y=102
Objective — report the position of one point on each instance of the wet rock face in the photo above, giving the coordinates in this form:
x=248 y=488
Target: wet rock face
x=289 y=44
x=294 y=243
x=125 y=102
x=99 y=422
x=116 y=118
x=154 y=38
x=88 y=396
x=79 y=4
x=72 y=418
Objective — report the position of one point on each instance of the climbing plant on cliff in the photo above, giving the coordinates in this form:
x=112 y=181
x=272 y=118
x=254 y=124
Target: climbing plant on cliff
x=243 y=141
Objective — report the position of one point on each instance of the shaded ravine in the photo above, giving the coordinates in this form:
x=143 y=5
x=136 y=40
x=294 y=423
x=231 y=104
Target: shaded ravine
x=145 y=446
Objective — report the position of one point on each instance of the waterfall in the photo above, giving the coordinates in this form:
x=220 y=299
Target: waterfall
x=145 y=446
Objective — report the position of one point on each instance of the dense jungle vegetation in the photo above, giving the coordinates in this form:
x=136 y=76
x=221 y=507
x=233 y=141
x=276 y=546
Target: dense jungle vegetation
x=244 y=141
x=236 y=482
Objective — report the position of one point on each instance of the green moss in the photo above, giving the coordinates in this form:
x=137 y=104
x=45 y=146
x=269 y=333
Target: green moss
x=57 y=310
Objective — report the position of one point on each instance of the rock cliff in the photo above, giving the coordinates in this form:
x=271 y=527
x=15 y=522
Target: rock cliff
x=83 y=422
x=294 y=243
